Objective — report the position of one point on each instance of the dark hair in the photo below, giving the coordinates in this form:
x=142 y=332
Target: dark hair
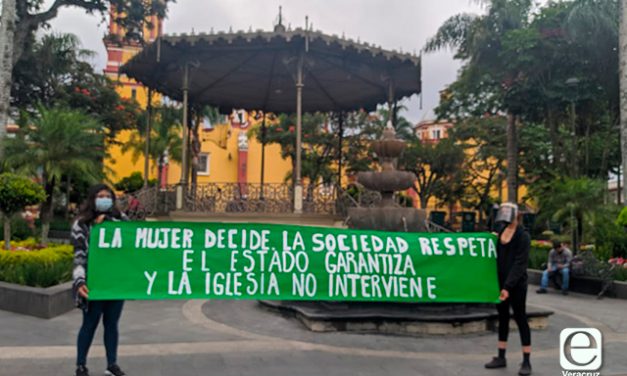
x=557 y=244
x=88 y=210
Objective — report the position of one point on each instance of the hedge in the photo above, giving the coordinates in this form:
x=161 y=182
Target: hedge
x=36 y=267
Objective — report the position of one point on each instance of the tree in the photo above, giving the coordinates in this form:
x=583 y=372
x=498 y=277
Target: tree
x=20 y=21
x=16 y=192
x=318 y=147
x=438 y=167
x=165 y=135
x=133 y=183
x=571 y=201
x=7 y=32
x=484 y=144
x=53 y=72
x=55 y=142
x=623 y=92
x=478 y=40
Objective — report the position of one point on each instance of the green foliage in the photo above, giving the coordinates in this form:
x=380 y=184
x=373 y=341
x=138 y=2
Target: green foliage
x=438 y=168
x=39 y=268
x=53 y=72
x=17 y=192
x=572 y=202
x=622 y=217
x=610 y=239
x=620 y=274
x=555 y=68
x=132 y=183
x=538 y=256
x=132 y=16
x=319 y=145
x=165 y=135
x=20 y=229
x=55 y=142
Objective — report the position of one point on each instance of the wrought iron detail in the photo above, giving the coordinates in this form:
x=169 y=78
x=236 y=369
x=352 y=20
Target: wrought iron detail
x=247 y=198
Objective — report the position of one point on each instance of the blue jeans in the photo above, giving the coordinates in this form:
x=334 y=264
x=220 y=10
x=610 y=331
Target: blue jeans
x=547 y=274
x=110 y=311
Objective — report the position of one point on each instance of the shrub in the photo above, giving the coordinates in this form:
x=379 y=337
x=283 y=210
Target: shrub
x=134 y=182
x=610 y=237
x=620 y=274
x=538 y=254
x=44 y=267
x=622 y=217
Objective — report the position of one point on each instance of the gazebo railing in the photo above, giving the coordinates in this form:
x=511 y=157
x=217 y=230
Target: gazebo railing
x=325 y=199
x=258 y=198
x=148 y=202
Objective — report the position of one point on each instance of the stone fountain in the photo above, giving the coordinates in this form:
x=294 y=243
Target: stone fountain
x=387 y=216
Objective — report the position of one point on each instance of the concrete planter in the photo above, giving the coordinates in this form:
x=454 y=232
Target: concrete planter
x=44 y=303
x=585 y=285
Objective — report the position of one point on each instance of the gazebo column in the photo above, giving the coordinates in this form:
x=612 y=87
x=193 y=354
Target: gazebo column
x=184 y=165
x=263 y=155
x=298 y=185
x=341 y=143
x=147 y=138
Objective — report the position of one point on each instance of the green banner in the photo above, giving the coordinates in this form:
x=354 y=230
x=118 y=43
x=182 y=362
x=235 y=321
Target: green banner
x=177 y=260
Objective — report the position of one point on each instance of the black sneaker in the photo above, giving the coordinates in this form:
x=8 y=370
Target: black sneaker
x=541 y=291
x=564 y=292
x=82 y=371
x=114 y=370
x=496 y=363
x=525 y=369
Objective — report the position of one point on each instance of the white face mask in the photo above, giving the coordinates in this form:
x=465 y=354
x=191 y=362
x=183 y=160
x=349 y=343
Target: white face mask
x=104 y=204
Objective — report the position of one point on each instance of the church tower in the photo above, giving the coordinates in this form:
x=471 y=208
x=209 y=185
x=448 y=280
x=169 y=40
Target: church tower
x=119 y=51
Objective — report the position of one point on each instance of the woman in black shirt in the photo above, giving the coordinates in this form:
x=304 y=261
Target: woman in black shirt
x=512 y=258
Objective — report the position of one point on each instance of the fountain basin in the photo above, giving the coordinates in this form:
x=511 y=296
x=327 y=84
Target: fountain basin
x=387 y=181
x=388 y=148
x=388 y=219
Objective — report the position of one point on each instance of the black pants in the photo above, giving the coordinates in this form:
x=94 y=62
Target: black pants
x=110 y=311
x=517 y=300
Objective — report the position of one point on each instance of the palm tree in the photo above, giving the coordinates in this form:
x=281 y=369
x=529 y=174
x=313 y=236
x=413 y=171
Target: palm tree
x=54 y=143
x=477 y=40
x=374 y=124
x=574 y=201
x=165 y=136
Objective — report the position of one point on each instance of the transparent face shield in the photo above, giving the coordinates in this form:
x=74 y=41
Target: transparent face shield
x=506 y=214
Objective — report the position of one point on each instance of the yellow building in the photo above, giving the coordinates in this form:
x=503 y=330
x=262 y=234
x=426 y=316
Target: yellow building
x=238 y=162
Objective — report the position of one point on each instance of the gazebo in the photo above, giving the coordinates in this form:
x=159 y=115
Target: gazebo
x=280 y=71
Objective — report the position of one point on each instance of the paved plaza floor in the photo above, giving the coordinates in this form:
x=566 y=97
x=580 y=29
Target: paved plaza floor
x=241 y=338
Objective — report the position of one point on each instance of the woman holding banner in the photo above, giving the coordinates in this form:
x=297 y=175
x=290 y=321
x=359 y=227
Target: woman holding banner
x=98 y=207
x=512 y=258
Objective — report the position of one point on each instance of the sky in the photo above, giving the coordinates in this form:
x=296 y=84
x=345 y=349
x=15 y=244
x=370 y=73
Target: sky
x=394 y=24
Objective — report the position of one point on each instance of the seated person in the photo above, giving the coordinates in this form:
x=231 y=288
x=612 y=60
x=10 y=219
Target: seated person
x=559 y=262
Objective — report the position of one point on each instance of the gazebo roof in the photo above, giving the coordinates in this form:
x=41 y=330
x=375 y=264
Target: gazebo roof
x=257 y=70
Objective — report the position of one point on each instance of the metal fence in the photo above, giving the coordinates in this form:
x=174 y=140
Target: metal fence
x=321 y=199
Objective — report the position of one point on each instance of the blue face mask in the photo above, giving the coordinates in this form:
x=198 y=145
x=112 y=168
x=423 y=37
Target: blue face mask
x=104 y=204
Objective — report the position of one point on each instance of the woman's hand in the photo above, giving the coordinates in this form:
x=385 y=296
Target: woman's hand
x=504 y=295
x=99 y=219
x=83 y=291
